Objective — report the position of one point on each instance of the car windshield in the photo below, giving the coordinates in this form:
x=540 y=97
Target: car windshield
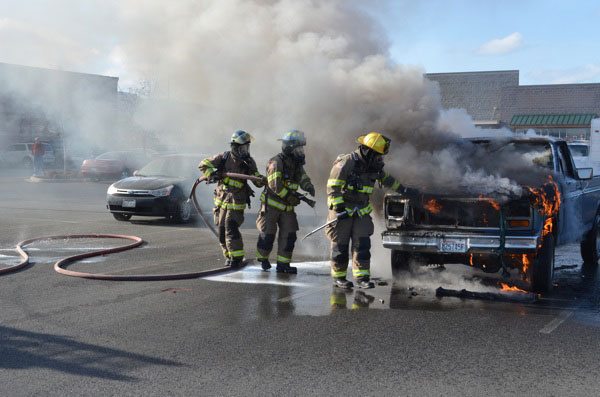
x=180 y=167
x=539 y=153
x=579 y=150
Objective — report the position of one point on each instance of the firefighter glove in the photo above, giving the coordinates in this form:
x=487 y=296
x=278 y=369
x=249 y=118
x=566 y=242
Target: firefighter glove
x=293 y=200
x=214 y=177
x=342 y=215
x=341 y=212
x=310 y=189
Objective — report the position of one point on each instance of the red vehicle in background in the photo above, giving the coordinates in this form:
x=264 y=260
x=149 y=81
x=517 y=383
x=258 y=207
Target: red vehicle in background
x=119 y=164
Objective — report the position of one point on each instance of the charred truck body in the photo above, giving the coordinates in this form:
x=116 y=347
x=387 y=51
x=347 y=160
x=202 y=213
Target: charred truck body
x=518 y=234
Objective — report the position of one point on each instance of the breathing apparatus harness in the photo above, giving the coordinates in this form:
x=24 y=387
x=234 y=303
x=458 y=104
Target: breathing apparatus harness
x=245 y=169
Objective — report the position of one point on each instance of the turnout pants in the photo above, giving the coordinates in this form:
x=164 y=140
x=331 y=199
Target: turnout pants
x=357 y=231
x=269 y=219
x=228 y=224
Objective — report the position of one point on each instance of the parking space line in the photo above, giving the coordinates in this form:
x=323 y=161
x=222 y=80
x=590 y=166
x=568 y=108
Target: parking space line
x=556 y=322
x=48 y=220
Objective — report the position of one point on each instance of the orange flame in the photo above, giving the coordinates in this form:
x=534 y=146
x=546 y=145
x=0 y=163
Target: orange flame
x=433 y=206
x=549 y=204
x=506 y=288
x=526 y=263
x=492 y=202
x=471 y=259
x=548 y=226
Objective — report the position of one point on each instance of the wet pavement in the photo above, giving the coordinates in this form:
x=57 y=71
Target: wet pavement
x=311 y=292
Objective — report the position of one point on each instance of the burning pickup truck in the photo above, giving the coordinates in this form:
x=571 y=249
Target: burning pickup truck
x=514 y=234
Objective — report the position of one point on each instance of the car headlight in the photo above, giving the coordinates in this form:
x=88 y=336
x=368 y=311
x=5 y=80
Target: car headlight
x=165 y=191
x=111 y=189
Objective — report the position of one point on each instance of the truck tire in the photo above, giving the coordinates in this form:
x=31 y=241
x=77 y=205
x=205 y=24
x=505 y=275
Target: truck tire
x=590 y=246
x=542 y=270
x=400 y=262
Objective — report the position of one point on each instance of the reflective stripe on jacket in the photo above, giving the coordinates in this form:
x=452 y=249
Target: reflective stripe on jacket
x=350 y=185
x=284 y=176
x=230 y=193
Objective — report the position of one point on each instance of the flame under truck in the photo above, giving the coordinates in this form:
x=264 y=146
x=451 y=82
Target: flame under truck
x=516 y=237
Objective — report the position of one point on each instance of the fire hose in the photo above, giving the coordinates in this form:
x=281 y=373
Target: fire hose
x=60 y=265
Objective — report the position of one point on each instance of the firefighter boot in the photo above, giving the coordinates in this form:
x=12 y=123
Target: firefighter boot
x=363 y=282
x=237 y=263
x=265 y=264
x=342 y=283
x=286 y=268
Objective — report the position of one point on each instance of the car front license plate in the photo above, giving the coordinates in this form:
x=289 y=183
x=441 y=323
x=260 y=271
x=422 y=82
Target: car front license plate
x=454 y=246
x=128 y=203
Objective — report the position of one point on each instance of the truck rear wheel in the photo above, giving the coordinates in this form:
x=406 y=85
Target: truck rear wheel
x=400 y=262
x=542 y=270
x=590 y=246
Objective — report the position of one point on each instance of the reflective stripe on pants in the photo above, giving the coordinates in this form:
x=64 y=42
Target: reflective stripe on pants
x=228 y=224
x=357 y=231
x=268 y=221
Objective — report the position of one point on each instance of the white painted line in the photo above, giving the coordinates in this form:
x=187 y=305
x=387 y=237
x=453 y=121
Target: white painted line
x=301 y=294
x=47 y=220
x=552 y=325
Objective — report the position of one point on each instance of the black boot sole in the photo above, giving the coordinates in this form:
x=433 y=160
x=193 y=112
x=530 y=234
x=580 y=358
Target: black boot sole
x=287 y=271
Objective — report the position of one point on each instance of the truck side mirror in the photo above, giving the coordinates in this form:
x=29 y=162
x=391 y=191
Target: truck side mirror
x=585 y=173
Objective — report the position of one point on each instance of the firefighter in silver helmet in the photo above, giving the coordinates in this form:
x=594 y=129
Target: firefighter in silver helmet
x=231 y=195
x=285 y=174
x=349 y=187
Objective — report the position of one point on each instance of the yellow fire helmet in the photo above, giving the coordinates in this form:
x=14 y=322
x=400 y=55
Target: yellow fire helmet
x=375 y=141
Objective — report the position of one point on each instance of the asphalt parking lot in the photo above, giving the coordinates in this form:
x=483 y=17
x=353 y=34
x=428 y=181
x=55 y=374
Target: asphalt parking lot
x=257 y=333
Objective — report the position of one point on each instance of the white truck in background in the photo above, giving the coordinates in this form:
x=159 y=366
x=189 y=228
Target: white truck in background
x=586 y=154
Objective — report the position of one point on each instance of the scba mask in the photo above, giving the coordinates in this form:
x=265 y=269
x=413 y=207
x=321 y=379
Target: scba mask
x=377 y=163
x=241 y=151
x=298 y=154
x=373 y=159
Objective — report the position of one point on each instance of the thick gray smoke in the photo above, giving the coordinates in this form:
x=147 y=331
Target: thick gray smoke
x=320 y=66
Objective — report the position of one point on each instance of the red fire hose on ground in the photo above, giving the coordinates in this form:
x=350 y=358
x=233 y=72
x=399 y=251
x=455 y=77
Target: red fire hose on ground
x=60 y=266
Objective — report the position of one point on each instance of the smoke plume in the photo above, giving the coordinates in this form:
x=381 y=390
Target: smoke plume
x=319 y=66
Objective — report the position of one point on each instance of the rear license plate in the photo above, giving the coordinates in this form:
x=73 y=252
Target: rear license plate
x=454 y=246
x=128 y=203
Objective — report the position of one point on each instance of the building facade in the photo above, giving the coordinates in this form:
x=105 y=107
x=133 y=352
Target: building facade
x=495 y=99
x=55 y=105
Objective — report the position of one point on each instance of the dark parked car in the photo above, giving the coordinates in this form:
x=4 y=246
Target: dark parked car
x=116 y=164
x=161 y=188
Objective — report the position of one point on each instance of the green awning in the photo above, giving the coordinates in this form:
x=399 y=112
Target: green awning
x=552 y=120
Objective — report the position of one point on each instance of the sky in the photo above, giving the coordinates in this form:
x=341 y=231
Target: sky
x=549 y=41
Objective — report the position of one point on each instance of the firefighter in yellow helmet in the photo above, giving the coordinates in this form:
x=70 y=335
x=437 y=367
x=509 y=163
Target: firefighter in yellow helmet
x=231 y=195
x=349 y=187
x=285 y=174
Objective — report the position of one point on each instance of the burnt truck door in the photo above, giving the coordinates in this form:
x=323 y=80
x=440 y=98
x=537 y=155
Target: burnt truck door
x=571 y=189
